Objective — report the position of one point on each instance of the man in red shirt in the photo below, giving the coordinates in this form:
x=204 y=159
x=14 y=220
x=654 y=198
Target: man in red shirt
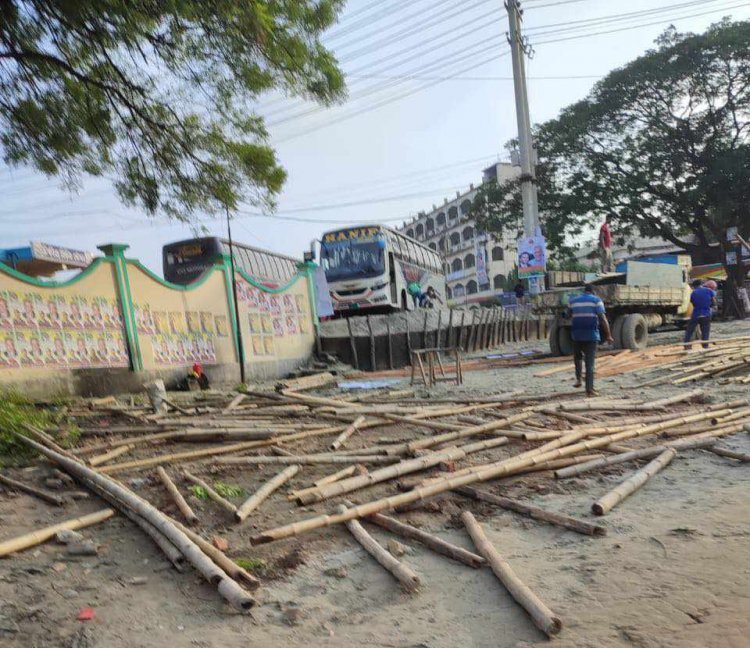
x=605 y=246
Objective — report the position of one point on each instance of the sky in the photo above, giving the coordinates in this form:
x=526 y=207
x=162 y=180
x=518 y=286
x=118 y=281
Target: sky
x=430 y=105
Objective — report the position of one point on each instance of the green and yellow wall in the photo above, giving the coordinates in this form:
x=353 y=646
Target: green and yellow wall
x=117 y=324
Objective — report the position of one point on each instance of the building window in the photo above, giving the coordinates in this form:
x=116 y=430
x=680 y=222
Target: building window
x=410 y=233
x=469 y=261
x=446 y=268
x=448 y=292
x=459 y=290
x=441 y=244
x=499 y=282
x=419 y=231
x=430 y=227
x=456 y=265
x=471 y=287
x=483 y=287
x=432 y=246
x=440 y=220
x=455 y=239
x=468 y=233
x=465 y=207
x=453 y=213
x=497 y=253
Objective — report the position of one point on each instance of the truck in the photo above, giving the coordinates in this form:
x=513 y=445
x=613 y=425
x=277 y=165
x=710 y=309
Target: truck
x=642 y=298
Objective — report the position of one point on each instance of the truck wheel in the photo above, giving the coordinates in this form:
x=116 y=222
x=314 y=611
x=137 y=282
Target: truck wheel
x=554 y=339
x=560 y=342
x=617 y=331
x=634 y=332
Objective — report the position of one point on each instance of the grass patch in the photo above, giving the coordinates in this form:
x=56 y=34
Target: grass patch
x=17 y=410
x=225 y=490
x=250 y=564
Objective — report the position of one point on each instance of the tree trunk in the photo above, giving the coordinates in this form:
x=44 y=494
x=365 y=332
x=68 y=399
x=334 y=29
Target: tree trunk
x=733 y=305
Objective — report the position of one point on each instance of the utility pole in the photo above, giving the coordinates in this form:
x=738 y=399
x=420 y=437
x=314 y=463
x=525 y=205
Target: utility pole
x=518 y=49
x=237 y=320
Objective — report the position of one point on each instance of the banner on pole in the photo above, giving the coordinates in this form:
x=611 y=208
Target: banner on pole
x=532 y=257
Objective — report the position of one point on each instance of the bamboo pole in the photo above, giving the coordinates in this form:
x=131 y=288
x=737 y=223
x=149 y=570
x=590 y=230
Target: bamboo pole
x=632 y=455
x=234 y=403
x=352 y=343
x=633 y=483
x=108 y=456
x=44 y=495
x=408 y=338
x=540 y=614
x=731 y=454
x=390 y=472
x=176 y=496
x=121 y=497
x=401 y=572
x=342 y=438
x=429 y=540
x=543 y=454
x=390 y=342
x=212 y=494
x=219 y=558
x=534 y=512
x=344 y=472
x=39 y=536
x=304 y=460
x=373 y=363
x=264 y=492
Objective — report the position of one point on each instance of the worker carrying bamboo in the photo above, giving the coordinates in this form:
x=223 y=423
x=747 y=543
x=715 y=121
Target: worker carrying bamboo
x=587 y=316
x=703 y=298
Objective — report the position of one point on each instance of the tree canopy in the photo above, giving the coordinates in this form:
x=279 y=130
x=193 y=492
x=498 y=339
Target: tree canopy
x=159 y=93
x=661 y=146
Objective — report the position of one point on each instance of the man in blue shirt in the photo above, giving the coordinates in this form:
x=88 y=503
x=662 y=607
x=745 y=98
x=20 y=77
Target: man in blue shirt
x=702 y=299
x=587 y=315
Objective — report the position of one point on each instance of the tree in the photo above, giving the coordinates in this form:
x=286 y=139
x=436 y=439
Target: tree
x=661 y=145
x=160 y=93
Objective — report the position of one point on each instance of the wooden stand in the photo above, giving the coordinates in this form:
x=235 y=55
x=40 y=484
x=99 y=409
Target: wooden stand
x=428 y=362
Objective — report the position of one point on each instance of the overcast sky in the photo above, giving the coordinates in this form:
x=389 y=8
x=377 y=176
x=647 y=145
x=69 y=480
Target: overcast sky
x=431 y=104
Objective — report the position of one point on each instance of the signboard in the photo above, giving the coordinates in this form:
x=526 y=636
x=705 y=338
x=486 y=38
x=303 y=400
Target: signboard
x=64 y=256
x=532 y=257
x=353 y=234
x=481 y=260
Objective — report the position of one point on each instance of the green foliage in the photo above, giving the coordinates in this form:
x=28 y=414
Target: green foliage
x=159 y=94
x=660 y=145
x=15 y=411
x=225 y=490
x=250 y=564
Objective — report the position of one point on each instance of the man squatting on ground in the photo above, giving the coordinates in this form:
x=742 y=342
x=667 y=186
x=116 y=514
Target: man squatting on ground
x=587 y=316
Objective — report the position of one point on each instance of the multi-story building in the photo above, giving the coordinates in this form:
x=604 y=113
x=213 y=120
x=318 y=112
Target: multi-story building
x=467 y=250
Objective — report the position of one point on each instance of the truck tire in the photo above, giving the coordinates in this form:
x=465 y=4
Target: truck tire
x=634 y=332
x=617 y=331
x=560 y=342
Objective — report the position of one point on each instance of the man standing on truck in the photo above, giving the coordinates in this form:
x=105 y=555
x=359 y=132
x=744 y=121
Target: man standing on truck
x=605 y=246
x=587 y=316
x=702 y=298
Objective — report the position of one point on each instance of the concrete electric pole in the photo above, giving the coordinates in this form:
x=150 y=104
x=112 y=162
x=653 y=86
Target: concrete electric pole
x=518 y=49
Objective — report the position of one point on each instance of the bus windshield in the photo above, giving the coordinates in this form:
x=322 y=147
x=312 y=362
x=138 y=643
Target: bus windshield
x=353 y=259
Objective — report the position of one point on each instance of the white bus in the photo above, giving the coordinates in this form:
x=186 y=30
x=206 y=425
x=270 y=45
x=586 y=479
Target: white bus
x=370 y=267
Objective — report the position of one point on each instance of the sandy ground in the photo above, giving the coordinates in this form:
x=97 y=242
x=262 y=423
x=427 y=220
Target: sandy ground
x=673 y=570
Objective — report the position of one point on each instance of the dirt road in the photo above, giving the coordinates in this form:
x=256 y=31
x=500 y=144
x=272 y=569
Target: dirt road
x=673 y=570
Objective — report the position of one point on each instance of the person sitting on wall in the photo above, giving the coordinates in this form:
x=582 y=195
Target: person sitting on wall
x=433 y=295
x=415 y=290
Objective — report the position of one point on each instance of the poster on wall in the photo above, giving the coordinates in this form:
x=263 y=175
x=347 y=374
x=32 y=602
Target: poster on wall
x=532 y=257
x=481 y=262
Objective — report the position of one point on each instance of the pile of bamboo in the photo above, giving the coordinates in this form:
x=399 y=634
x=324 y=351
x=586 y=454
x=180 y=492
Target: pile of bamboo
x=328 y=446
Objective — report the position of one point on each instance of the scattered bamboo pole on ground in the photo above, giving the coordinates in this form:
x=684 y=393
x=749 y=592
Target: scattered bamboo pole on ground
x=51 y=498
x=329 y=479
x=632 y=455
x=730 y=454
x=124 y=499
x=257 y=498
x=221 y=560
x=564 y=521
x=108 y=456
x=542 y=616
x=401 y=572
x=432 y=541
x=39 y=536
x=549 y=451
x=177 y=497
x=304 y=459
x=342 y=438
x=212 y=494
x=633 y=483
x=234 y=403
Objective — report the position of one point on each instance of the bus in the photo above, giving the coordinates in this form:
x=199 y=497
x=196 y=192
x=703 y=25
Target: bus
x=370 y=267
x=185 y=261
